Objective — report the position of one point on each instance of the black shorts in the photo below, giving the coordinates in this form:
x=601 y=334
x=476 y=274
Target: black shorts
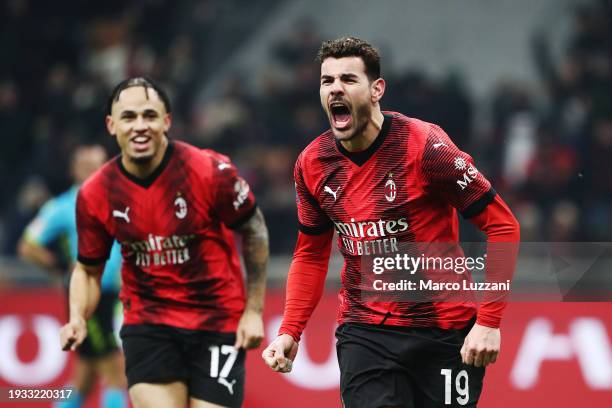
x=206 y=361
x=405 y=367
x=100 y=340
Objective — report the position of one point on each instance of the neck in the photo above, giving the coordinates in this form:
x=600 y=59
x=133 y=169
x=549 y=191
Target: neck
x=365 y=138
x=144 y=170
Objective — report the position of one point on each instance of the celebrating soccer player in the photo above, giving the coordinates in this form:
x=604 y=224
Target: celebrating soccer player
x=383 y=179
x=99 y=354
x=174 y=209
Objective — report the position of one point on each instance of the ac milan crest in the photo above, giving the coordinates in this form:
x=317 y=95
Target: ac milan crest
x=181 y=207
x=390 y=189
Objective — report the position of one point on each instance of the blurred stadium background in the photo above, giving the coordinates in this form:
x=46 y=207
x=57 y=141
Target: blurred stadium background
x=524 y=86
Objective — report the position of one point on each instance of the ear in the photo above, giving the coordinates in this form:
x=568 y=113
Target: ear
x=110 y=125
x=378 y=89
x=167 y=122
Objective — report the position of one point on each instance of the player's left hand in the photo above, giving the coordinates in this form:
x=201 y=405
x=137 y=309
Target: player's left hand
x=481 y=346
x=250 y=331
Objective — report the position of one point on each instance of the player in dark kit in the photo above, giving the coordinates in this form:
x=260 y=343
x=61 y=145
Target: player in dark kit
x=174 y=209
x=383 y=179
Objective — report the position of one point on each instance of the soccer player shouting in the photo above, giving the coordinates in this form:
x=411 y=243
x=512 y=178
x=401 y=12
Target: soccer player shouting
x=173 y=208
x=383 y=179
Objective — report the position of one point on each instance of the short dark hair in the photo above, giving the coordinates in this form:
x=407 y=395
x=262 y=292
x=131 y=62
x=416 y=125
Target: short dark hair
x=143 y=81
x=352 y=47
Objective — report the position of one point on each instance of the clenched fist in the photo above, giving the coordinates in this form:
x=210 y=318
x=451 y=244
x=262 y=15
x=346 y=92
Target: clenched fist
x=279 y=355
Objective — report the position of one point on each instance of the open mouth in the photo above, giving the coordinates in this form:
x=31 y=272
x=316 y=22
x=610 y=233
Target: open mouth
x=140 y=142
x=340 y=115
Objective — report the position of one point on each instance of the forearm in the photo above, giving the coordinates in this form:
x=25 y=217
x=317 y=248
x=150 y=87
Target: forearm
x=500 y=265
x=503 y=238
x=305 y=284
x=305 y=281
x=84 y=292
x=37 y=254
x=255 y=251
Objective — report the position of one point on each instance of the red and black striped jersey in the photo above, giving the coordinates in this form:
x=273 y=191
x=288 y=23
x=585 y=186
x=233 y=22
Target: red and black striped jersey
x=180 y=264
x=405 y=188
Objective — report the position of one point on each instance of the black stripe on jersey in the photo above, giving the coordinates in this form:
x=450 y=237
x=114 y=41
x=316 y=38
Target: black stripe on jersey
x=477 y=206
x=92 y=261
x=315 y=230
x=359 y=158
x=242 y=220
x=147 y=181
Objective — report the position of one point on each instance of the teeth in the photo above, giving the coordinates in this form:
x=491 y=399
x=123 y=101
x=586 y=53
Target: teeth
x=141 y=139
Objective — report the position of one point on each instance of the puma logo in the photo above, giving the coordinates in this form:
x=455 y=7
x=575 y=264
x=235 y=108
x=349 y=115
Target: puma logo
x=124 y=214
x=230 y=385
x=436 y=145
x=332 y=192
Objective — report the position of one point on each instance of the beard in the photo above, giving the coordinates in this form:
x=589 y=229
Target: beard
x=141 y=159
x=361 y=118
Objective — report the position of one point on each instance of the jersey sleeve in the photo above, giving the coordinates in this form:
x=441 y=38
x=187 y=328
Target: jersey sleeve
x=452 y=175
x=95 y=242
x=305 y=281
x=48 y=225
x=503 y=238
x=234 y=202
x=311 y=218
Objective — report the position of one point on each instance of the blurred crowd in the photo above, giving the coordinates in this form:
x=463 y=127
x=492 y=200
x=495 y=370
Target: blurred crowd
x=548 y=153
x=555 y=156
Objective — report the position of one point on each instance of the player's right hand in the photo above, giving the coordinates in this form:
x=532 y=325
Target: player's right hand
x=73 y=333
x=279 y=355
